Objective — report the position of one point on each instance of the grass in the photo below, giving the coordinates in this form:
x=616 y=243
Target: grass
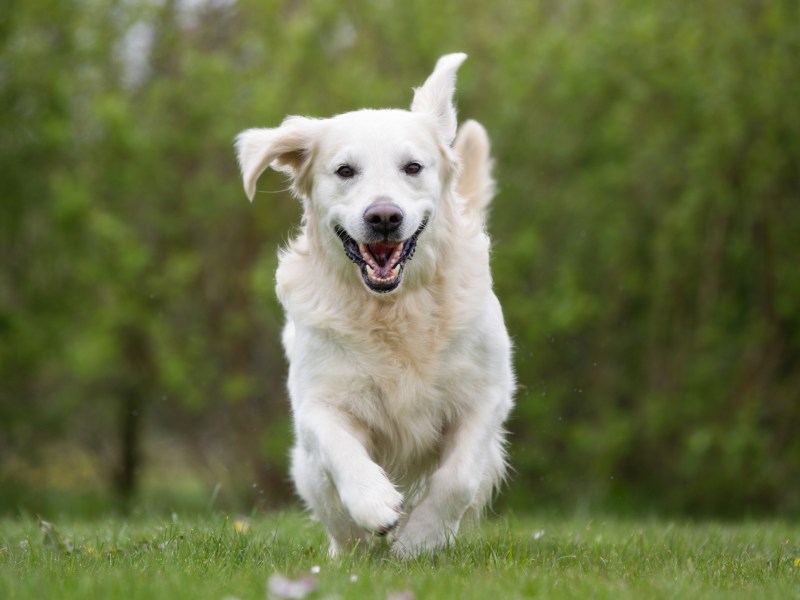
x=218 y=557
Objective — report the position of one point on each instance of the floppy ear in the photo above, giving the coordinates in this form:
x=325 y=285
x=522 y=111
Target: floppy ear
x=286 y=148
x=436 y=95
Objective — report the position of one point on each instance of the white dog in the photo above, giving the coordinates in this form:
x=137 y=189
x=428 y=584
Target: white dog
x=400 y=370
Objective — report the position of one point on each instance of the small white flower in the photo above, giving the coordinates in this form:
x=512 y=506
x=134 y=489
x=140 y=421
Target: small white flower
x=537 y=535
x=315 y=569
x=353 y=578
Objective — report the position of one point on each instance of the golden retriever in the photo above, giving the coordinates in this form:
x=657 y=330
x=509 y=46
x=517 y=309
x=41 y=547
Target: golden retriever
x=400 y=371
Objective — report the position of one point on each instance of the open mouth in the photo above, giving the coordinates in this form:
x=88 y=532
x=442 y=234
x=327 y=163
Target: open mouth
x=381 y=263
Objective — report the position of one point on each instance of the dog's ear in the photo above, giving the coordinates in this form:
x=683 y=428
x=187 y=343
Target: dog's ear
x=286 y=148
x=436 y=95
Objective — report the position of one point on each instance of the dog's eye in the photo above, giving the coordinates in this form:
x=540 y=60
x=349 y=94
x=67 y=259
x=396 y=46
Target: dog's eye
x=412 y=168
x=346 y=172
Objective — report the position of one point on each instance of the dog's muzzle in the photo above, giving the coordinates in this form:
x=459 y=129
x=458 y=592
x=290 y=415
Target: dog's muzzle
x=381 y=263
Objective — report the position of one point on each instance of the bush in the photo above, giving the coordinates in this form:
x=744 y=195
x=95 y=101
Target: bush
x=648 y=158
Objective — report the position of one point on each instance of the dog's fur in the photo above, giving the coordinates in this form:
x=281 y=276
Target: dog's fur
x=400 y=376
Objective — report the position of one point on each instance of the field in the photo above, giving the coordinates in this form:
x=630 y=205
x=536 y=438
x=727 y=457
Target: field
x=221 y=557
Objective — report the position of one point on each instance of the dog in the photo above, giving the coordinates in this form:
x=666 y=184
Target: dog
x=400 y=373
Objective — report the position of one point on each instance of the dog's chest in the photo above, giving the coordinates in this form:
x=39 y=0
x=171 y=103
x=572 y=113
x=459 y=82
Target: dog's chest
x=413 y=382
x=406 y=412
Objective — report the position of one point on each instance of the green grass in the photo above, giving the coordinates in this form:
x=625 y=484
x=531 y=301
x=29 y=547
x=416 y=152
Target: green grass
x=516 y=557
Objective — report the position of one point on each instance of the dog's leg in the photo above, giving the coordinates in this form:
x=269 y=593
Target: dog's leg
x=318 y=492
x=347 y=491
x=472 y=465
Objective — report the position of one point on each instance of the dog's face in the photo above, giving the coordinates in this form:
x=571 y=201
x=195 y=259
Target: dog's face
x=371 y=179
x=377 y=179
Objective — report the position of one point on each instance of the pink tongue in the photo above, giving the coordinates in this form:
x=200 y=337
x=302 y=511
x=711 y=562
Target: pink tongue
x=381 y=253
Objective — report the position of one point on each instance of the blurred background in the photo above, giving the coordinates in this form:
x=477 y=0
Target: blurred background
x=645 y=241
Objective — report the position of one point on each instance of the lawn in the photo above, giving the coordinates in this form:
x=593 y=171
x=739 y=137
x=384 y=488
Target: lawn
x=220 y=557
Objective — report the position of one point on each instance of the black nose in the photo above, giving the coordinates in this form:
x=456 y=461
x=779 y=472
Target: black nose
x=383 y=218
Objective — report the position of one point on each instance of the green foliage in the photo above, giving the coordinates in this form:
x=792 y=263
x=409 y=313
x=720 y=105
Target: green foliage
x=534 y=557
x=651 y=311
x=647 y=156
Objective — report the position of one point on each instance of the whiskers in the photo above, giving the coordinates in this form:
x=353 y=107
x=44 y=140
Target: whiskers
x=283 y=191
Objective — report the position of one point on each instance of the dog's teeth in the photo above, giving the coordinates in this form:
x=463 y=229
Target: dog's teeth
x=370 y=272
x=396 y=271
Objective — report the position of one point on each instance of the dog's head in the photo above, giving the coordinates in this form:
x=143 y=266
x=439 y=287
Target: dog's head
x=371 y=180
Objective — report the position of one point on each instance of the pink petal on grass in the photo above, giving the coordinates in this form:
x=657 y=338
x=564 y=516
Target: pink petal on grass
x=280 y=586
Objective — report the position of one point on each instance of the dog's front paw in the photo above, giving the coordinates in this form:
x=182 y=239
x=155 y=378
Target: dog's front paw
x=375 y=506
x=409 y=546
x=424 y=532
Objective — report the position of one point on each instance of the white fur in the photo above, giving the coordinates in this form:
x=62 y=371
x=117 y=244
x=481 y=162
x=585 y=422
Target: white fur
x=398 y=398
